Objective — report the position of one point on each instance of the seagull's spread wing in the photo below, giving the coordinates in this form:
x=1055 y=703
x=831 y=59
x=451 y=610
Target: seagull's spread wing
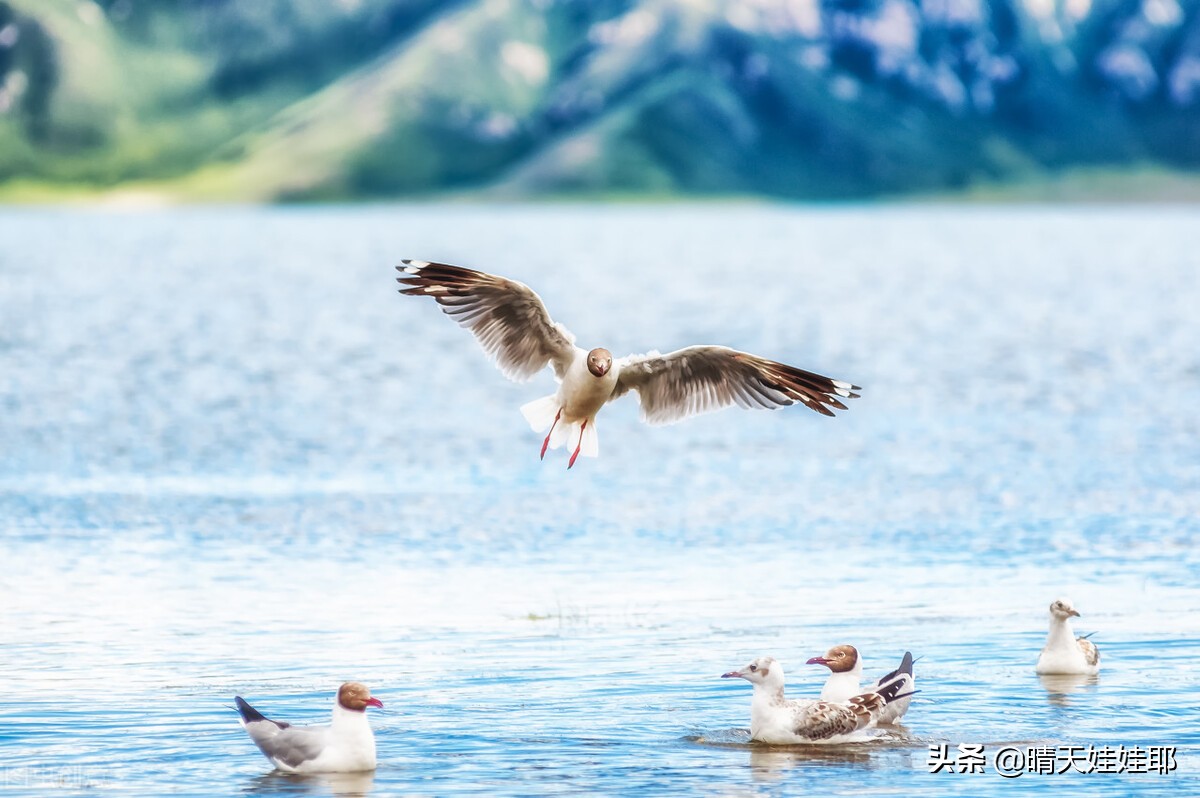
x=820 y=720
x=702 y=378
x=281 y=742
x=507 y=317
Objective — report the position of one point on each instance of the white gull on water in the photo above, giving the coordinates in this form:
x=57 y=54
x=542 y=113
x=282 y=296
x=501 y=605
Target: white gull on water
x=1064 y=653
x=845 y=676
x=345 y=745
x=514 y=328
x=775 y=719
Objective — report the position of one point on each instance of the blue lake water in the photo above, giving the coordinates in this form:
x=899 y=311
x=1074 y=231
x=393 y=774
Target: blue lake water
x=233 y=460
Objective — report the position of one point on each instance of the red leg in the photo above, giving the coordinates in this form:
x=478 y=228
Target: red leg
x=546 y=442
x=582 y=427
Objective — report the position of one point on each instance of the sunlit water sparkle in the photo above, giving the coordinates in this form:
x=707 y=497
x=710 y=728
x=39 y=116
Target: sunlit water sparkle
x=234 y=461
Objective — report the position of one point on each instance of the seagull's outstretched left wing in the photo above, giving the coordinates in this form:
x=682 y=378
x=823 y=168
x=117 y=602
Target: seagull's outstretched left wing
x=702 y=378
x=507 y=317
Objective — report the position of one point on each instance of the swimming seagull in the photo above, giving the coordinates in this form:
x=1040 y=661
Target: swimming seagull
x=514 y=328
x=845 y=672
x=1064 y=653
x=346 y=745
x=774 y=719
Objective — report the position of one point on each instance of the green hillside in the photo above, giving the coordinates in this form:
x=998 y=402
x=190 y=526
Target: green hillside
x=311 y=99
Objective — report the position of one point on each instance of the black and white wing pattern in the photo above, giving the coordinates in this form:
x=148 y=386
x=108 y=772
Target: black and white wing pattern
x=286 y=746
x=900 y=681
x=507 y=317
x=698 y=379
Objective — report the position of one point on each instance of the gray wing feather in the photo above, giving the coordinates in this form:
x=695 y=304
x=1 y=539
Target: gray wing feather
x=507 y=317
x=282 y=743
x=702 y=378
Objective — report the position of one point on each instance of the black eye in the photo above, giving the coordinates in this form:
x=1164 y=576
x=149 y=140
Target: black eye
x=753 y=667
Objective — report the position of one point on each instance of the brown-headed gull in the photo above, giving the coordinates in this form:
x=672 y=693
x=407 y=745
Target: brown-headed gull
x=514 y=328
x=1064 y=653
x=775 y=719
x=845 y=675
x=346 y=745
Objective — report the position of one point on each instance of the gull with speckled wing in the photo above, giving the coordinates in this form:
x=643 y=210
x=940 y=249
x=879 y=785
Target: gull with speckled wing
x=1064 y=653
x=775 y=719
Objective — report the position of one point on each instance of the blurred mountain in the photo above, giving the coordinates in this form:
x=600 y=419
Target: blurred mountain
x=330 y=99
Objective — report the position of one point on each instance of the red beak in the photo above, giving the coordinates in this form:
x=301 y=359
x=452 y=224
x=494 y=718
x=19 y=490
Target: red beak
x=731 y=675
x=817 y=661
x=374 y=702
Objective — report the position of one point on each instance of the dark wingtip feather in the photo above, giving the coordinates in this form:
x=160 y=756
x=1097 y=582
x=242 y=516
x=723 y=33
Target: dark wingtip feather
x=906 y=666
x=248 y=713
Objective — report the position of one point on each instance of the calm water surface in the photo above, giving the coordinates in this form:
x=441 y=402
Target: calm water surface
x=234 y=461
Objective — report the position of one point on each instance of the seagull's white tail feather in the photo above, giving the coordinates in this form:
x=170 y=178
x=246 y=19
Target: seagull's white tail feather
x=590 y=445
x=579 y=438
x=540 y=414
x=563 y=433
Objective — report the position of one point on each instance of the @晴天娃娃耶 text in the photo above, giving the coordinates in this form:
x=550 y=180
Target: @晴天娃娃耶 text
x=1012 y=761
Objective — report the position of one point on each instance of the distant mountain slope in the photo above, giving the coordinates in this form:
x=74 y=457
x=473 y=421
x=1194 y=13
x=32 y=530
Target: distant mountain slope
x=315 y=99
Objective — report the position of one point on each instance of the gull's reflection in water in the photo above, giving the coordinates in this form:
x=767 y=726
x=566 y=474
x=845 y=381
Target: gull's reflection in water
x=768 y=763
x=1059 y=687
x=343 y=785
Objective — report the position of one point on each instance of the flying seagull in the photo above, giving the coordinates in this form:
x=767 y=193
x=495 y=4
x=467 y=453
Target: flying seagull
x=845 y=674
x=345 y=746
x=775 y=719
x=514 y=328
x=1064 y=653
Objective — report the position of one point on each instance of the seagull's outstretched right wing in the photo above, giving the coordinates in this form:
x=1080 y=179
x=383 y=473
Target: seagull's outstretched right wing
x=507 y=317
x=287 y=746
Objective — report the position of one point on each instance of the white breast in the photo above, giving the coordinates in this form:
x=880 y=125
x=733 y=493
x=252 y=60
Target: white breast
x=582 y=393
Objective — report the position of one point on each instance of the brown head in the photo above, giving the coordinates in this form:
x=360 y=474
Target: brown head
x=839 y=659
x=599 y=362
x=355 y=696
